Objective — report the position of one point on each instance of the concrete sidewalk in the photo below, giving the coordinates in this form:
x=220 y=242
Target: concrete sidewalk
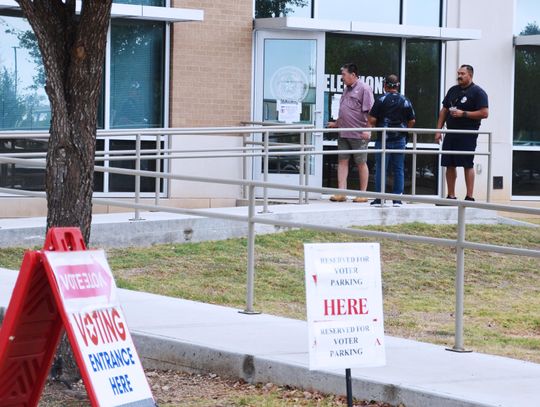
x=178 y=334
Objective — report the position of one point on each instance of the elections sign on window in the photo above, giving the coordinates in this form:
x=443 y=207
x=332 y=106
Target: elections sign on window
x=102 y=341
x=344 y=305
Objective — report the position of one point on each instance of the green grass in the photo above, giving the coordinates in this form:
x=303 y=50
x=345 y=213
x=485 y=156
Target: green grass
x=502 y=292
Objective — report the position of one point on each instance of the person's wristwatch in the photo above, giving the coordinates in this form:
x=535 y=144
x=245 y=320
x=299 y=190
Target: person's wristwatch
x=464 y=114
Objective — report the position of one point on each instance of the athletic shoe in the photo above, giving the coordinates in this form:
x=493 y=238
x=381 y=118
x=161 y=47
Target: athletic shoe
x=338 y=198
x=360 y=199
x=469 y=198
x=397 y=203
x=376 y=202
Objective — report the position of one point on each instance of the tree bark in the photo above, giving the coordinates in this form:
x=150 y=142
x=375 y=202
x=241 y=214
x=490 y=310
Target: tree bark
x=73 y=50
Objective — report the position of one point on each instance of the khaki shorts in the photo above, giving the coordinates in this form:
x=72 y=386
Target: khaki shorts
x=353 y=144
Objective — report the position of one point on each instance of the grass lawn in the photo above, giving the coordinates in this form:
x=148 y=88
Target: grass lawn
x=502 y=292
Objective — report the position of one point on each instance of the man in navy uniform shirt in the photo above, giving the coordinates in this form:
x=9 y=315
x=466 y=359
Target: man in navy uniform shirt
x=391 y=110
x=464 y=106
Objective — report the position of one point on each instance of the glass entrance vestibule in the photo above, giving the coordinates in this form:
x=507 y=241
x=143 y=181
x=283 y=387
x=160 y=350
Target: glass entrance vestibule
x=418 y=63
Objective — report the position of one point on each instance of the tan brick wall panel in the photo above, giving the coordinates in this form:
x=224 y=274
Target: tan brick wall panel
x=211 y=65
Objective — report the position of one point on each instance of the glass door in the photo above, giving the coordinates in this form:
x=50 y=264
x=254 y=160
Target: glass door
x=289 y=85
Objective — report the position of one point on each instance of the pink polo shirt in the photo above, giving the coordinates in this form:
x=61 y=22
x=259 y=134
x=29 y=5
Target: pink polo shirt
x=354 y=107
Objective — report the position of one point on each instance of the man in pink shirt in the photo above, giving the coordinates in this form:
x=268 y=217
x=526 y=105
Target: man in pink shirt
x=354 y=106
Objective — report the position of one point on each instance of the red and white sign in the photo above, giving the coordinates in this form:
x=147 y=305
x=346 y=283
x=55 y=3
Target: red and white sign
x=344 y=305
x=102 y=341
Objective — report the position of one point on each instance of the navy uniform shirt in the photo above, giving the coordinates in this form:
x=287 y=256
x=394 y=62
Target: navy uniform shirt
x=393 y=110
x=470 y=99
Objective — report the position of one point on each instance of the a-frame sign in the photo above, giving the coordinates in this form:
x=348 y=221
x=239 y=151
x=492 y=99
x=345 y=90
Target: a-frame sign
x=65 y=286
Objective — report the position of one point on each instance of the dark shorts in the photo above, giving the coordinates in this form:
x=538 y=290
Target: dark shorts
x=353 y=144
x=459 y=142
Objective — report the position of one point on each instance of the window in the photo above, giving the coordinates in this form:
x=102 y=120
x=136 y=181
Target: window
x=526 y=173
x=280 y=8
x=375 y=58
x=23 y=102
x=126 y=183
x=422 y=84
x=526 y=136
x=527 y=17
x=413 y=12
x=137 y=74
x=422 y=12
x=373 y=11
x=136 y=87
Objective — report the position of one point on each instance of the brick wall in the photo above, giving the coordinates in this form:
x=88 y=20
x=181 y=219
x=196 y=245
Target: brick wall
x=211 y=65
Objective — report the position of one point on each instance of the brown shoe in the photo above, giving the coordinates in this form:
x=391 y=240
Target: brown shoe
x=360 y=199
x=338 y=198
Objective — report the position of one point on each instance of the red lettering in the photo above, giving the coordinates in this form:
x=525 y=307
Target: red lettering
x=326 y=308
x=345 y=306
x=105 y=326
x=90 y=328
x=352 y=306
x=119 y=325
x=79 y=323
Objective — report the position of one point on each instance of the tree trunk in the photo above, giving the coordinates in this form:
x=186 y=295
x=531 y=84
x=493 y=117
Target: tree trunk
x=73 y=50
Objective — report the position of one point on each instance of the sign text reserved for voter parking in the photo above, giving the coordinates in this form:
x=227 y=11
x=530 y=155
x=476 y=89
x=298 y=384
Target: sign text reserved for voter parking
x=344 y=305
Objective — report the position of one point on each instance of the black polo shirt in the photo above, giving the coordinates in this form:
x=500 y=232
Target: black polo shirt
x=469 y=99
x=393 y=110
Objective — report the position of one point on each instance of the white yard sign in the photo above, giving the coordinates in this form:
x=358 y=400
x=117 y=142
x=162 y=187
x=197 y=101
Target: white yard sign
x=344 y=305
x=96 y=321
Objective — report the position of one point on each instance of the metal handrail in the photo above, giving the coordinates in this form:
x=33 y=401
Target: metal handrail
x=275 y=149
x=459 y=243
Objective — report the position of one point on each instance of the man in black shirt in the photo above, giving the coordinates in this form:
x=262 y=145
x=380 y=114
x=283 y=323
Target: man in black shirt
x=391 y=110
x=464 y=106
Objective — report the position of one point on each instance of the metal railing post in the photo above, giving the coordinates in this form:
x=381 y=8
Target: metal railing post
x=306 y=172
x=302 y=166
x=250 y=284
x=442 y=173
x=265 y=174
x=489 y=185
x=244 y=165
x=413 y=181
x=137 y=177
x=460 y=280
x=158 y=168
x=383 y=166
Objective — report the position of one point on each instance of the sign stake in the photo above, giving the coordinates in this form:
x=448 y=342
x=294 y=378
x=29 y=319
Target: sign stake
x=349 y=387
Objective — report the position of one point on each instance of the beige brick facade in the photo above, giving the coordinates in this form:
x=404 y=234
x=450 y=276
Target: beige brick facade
x=211 y=65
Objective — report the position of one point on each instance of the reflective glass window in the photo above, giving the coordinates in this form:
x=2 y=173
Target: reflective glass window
x=422 y=12
x=373 y=11
x=20 y=176
x=375 y=58
x=527 y=17
x=289 y=84
x=137 y=74
x=23 y=102
x=526 y=89
x=526 y=173
x=126 y=183
x=282 y=8
x=526 y=164
x=422 y=85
